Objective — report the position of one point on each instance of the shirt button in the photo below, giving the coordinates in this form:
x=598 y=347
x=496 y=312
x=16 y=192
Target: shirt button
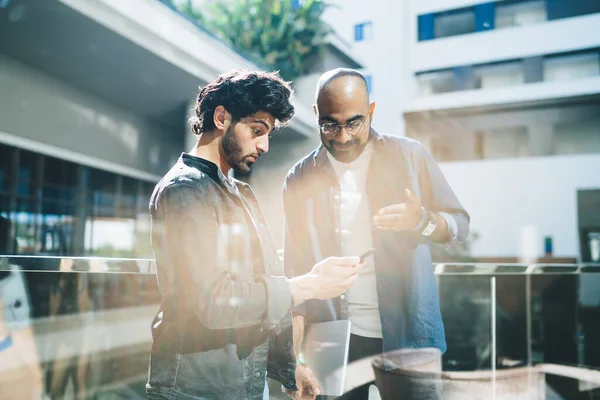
x=262 y=225
x=288 y=343
x=292 y=383
x=261 y=329
x=336 y=197
x=337 y=230
x=343 y=296
x=257 y=374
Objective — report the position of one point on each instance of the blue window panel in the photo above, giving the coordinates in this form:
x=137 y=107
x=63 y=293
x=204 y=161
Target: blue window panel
x=358 y=32
x=557 y=9
x=369 y=80
x=484 y=16
x=426 y=27
x=362 y=31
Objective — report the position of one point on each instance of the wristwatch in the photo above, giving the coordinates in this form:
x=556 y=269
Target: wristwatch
x=430 y=225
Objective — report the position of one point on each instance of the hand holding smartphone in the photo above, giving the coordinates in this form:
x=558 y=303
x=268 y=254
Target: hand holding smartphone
x=366 y=254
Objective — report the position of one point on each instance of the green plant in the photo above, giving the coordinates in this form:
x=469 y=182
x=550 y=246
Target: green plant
x=270 y=33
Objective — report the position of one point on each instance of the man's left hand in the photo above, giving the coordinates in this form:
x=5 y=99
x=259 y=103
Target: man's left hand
x=400 y=217
x=307 y=384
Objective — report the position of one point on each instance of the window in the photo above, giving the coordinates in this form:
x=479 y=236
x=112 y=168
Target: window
x=454 y=23
x=435 y=82
x=53 y=213
x=576 y=137
x=363 y=31
x=369 y=80
x=558 y=9
x=425 y=26
x=505 y=143
x=484 y=16
x=520 y=13
x=499 y=75
x=571 y=67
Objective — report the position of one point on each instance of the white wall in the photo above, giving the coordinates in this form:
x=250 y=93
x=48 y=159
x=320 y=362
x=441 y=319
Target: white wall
x=514 y=94
x=503 y=44
x=384 y=54
x=39 y=108
x=503 y=196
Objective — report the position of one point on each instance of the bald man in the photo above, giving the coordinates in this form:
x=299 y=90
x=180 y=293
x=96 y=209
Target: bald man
x=359 y=190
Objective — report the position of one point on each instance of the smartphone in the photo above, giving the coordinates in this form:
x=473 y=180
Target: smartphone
x=366 y=254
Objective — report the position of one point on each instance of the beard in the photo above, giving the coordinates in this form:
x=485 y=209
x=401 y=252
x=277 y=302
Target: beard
x=347 y=152
x=233 y=153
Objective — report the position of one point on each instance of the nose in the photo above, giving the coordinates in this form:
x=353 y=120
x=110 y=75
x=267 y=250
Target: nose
x=343 y=136
x=263 y=144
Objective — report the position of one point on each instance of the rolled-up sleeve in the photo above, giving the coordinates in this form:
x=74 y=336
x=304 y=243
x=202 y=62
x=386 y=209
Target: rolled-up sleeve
x=438 y=196
x=279 y=298
x=201 y=277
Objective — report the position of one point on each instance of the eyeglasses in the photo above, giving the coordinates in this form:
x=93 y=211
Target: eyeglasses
x=332 y=129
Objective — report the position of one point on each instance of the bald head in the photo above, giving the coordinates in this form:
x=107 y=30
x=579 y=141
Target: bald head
x=342 y=84
x=343 y=113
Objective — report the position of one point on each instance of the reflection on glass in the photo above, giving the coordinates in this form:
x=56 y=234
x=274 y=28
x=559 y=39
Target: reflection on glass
x=571 y=66
x=499 y=75
x=70 y=331
x=56 y=207
x=454 y=23
x=436 y=82
x=521 y=13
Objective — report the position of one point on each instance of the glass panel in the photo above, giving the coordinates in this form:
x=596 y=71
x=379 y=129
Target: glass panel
x=521 y=13
x=577 y=137
x=84 y=332
x=59 y=205
x=499 y=75
x=5 y=170
x=571 y=67
x=506 y=143
x=6 y=242
x=436 y=82
x=73 y=333
x=454 y=23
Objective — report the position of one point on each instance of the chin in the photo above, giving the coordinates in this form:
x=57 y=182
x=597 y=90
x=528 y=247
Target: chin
x=243 y=169
x=345 y=157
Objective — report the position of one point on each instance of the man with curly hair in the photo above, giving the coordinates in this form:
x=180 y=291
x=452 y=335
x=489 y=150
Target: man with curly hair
x=225 y=315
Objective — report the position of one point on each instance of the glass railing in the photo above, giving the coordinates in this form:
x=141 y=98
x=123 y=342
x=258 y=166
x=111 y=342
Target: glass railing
x=80 y=328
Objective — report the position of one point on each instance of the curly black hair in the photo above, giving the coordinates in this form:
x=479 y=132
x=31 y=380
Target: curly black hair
x=243 y=93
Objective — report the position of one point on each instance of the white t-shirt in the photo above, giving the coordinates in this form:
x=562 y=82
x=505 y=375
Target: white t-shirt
x=356 y=223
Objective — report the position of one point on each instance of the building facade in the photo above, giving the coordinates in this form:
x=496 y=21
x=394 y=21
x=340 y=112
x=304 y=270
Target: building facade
x=505 y=94
x=95 y=99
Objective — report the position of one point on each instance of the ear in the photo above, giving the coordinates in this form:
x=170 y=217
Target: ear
x=371 y=109
x=221 y=118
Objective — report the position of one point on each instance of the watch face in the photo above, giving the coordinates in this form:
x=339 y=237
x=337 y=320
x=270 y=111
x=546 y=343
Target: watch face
x=430 y=226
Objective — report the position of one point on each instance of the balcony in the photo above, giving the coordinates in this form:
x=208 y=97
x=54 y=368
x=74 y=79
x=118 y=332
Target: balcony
x=506 y=44
x=86 y=323
x=536 y=79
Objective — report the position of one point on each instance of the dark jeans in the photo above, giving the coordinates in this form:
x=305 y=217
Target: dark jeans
x=361 y=347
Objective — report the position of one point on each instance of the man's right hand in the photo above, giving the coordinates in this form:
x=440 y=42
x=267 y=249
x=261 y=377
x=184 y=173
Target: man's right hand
x=329 y=278
x=308 y=388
